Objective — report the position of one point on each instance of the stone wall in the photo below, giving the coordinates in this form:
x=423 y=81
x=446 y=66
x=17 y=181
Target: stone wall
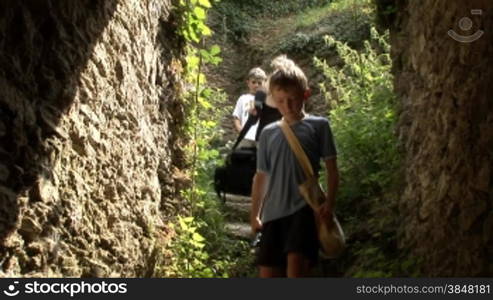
x=446 y=127
x=90 y=135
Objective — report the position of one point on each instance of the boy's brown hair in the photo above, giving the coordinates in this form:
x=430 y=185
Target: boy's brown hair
x=287 y=76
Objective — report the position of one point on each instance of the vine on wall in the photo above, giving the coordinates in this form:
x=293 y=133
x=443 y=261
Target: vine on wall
x=200 y=247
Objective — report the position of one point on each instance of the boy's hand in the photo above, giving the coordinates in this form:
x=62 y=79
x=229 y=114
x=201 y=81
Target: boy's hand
x=256 y=225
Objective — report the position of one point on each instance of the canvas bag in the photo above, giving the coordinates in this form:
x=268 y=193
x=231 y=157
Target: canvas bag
x=330 y=234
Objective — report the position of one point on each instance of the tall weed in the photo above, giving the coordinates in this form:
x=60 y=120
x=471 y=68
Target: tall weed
x=359 y=90
x=362 y=115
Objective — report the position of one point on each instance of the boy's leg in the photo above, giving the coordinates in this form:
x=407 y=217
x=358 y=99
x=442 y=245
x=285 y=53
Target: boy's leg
x=270 y=257
x=269 y=272
x=298 y=265
x=302 y=244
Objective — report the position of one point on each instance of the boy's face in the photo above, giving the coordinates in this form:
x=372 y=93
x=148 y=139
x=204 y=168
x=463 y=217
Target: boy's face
x=288 y=102
x=254 y=84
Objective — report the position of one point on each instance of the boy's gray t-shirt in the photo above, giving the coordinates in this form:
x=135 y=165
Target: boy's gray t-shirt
x=275 y=157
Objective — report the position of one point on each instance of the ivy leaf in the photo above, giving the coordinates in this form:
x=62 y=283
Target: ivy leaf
x=205 y=3
x=216 y=60
x=192 y=61
x=199 y=12
x=183 y=225
x=215 y=50
x=207 y=92
x=197 y=237
x=205 y=30
x=192 y=35
x=205 y=54
x=188 y=219
x=204 y=103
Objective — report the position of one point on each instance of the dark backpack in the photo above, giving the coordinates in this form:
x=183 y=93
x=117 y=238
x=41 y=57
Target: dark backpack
x=236 y=175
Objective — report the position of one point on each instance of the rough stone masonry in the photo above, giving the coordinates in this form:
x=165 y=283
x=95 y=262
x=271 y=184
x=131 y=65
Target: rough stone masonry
x=446 y=128
x=89 y=135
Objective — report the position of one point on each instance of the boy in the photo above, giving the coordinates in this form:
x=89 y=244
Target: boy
x=245 y=105
x=289 y=243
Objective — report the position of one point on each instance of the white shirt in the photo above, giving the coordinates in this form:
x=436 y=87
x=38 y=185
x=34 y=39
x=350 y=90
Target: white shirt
x=243 y=105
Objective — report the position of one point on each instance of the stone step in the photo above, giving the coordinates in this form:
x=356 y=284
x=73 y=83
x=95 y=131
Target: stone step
x=238 y=198
x=233 y=198
x=237 y=211
x=239 y=230
x=237 y=208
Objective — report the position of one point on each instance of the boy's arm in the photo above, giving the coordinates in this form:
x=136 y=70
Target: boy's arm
x=237 y=112
x=258 y=192
x=332 y=185
x=237 y=124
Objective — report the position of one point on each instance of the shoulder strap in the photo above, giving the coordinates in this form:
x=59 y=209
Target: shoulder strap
x=259 y=98
x=249 y=123
x=297 y=149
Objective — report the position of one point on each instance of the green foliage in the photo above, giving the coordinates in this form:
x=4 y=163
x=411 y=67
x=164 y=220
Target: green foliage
x=312 y=16
x=347 y=21
x=241 y=17
x=373 y=262
x=203 y=104
x=359 y=91
x=189 y=258
x=362 y=115
x=299 y=43
x=194 y=14
x=200 y=246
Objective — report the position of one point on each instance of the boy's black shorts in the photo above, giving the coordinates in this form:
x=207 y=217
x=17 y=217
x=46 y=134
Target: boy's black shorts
x=293 y=233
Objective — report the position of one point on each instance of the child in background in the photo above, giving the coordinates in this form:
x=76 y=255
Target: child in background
x=245 y=105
